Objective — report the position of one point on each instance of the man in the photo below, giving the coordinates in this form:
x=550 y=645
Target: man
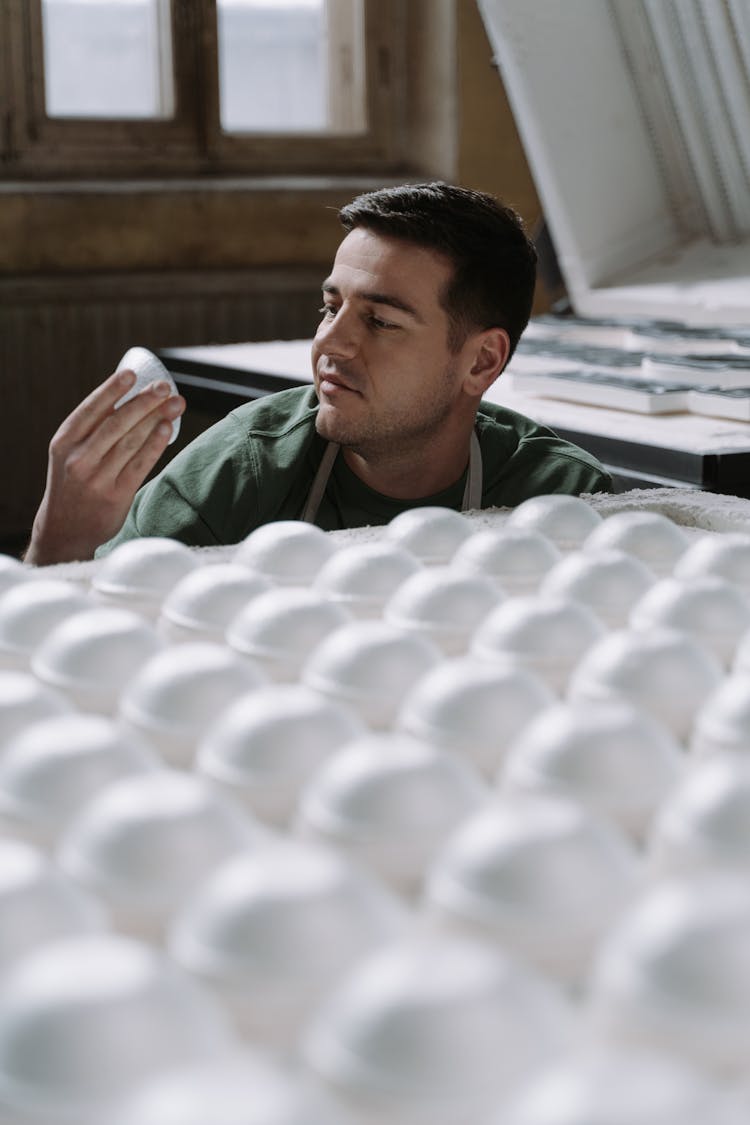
x=430 y=291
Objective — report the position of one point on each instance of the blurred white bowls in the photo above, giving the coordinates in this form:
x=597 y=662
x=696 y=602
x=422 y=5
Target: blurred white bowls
x=704 y=824
x=279 y=629
x=361 y=578
x=389 y=801
x=432 y=534
x=609 y=582
x=244 y=1089
x=566 y=520
x=145 y=842
x=139 y=574
x=12 y=572
x=474 y=709
x=515 y=559
x=272 y=932
x=51 y=768
x=28 y=610
x=93 y=654
x=369 y=666
x=721 y=556
x=443 y=605
x=287 y=552
x=675 y=975
x=613 y=1086
x=723 y=720
x=663 y=671
x=23 y=701
x=38 y=904
x=543 y=877
x=649 y=536
x=205 y=601
x=710 y=609
x=610 y=756
x=269 y=743
x=177 y=695
x=86 y=1020
x=433 y=1030
x=546 y=635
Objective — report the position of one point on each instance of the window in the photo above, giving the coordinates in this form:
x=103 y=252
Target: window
x=113 y=87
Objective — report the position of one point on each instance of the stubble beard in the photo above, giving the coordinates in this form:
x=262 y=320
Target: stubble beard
x=390 y=435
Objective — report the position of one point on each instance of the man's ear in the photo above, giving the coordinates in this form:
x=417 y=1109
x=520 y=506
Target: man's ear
x=486 y=358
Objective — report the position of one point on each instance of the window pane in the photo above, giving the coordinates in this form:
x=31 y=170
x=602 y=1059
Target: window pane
x=291 y=66
x=108 y=58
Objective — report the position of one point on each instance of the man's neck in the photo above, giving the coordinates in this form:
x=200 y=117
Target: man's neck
x=412 y=474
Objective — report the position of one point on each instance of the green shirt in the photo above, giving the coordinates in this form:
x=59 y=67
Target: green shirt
x=257 y=465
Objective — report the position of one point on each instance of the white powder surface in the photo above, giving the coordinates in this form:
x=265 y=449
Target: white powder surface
x=698 y=512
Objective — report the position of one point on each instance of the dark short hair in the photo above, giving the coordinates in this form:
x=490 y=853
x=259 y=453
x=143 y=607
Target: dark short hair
x=494 y=261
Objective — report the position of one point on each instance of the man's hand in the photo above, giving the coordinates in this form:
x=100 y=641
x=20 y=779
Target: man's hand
x=98 y=459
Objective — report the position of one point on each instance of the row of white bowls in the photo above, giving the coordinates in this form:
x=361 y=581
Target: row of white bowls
x=448 y=827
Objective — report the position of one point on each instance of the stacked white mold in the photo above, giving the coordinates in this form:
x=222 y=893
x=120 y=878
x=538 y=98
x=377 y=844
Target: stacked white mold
x=442 y=825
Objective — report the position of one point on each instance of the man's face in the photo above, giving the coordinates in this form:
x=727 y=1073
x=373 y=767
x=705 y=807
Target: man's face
x=383 y=370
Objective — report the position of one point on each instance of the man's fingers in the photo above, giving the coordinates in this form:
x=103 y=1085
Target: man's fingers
x=135 y=470
x=97 y=406
x=129 y=444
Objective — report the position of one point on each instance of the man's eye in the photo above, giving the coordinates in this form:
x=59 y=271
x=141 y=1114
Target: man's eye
x=376 y=322
x=327 y=310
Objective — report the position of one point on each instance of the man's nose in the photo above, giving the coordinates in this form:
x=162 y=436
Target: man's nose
x=339 y=335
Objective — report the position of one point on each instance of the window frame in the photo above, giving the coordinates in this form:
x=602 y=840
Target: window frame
x=36 y=146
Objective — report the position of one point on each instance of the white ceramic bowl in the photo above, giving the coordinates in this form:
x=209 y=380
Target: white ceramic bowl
x=287 y=552
x=543 y=877
x=663 y=671
x=434 y=1030
x=28 y=611
x=675 y=975
x=721 y=556
x=704 y=824
x=432 y=534
x=145 y=842
x=180 y=692
x=649 y=536
x=474 y=709
x=566 y=520
x=610 y=756
x=389 y=801
x=515 y=559
x=23 y=701
x=279 y=629
x=546 y=635
x=244 y=1089
x=710 y=609
x=723 y=720
x=53 y=767
x=369 y=666
x=272 y=932
x=608 y=582
x=148 y=369
x=12 y=572
x=614 y=1086
x=205 y=601
x=85 y=1020
x=443 y=605
x=140 y=573
x=38 y=904
x=92 y=655
x=362 y=577
x=269 y=743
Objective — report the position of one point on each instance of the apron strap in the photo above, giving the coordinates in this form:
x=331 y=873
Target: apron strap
x=472 y=498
